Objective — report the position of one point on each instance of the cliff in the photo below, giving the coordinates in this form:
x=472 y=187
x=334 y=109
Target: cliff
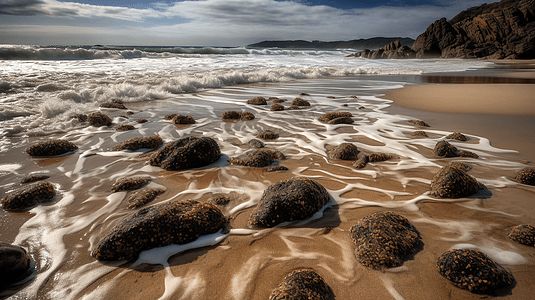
x=372 y=43
x=499 y=30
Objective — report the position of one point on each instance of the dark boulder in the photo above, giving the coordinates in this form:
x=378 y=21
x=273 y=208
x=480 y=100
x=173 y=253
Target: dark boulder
x=114 y=104
x=277 y=168
x=256 y=143
x=341 y=120
x=419 y=133
x=253 y=158
x=473 y=270
x=333 y=115
x=143 y=197
x=523 y=234
x=464 y=153
x=457 y=136
x=302 y=284
x=99 y=119
x=128 y=184
x=182 y=119
x=452 y=182
x=125 y=127
x=419 y=123
x=300 y=102
x=384 y=240
x=14 y=262
x=141 y=121
x=288 y=200
x=28 y=196
x=526 y=176
x=34 y=178
x=231 y=115
x=344 y=151
x=267 y=135
x=174 y=222
x=247 y=116
x=187 y=153
x=51 y=148
x=445 y=149
x=257 y=101
x=277 y=107
x=149 y=142
x=378 y=157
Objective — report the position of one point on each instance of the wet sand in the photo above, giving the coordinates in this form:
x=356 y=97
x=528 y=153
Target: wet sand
x=250 y=263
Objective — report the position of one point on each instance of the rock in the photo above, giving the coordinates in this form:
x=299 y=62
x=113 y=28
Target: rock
x=304 y=94
x=14 y=262
x=361 y=162
x=256 y=143
x=253 y=158
x=99 y=119
x=344 y=151
x=445 y=149
x=267 y=135
x=393 y=50
x=231 y=115
x=377 y=157
x=128 y=184
x=457 y=136
x=181 y=119
x=125 y=127
x=169 y=116
x=333 y=115
x=464 y=153
x=34 y=178
x=51 y=148
x=174 y=222
x=279 y=100
x=300 y=102
x=341 y=120
x=273 y=98
x=384 y=240
x=141 y=121
x=452 y=182
x=277 y=168
x=187 y=153
x=473 y=270
x=288 y=200
x=247 y=116
x=526 y=176
x=419 y=133
x=460 y=165
x=143 y=197
x=257 y=101
x=275 y=153
x=523 y=234
x=419 y=123
x=302 y=284
x=150 y=142
x=498 y=30
x=28 y=196
x=81 y=117
x=277 y=107
x=220 y=200
x=114 y=104
x=130 y=112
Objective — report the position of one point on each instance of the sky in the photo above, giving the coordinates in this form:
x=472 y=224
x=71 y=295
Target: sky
x=215 y=22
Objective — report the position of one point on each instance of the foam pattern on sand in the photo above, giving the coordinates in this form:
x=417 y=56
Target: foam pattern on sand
x=60 y=236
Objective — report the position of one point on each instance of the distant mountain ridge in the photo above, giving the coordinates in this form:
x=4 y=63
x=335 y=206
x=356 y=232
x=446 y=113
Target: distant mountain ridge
x=371 y=43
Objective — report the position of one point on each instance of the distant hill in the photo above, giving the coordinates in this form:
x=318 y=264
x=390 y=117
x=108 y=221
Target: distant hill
x=372 y=43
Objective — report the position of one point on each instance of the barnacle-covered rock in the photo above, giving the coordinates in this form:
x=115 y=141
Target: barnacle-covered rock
x=473 y=270
x=523 y=234
x=182 y=119
x=169 y=116
x=457 y=136
x=128 y=184
x=28 y=196
x=344 y=151
x=302 y=284
x=276 y=107
x=256 y=143
x=219 y=200
x=34 y=178
x=276 y=168
x=14 y=262
x=257 y=101
x=445 y=149
x=279 y=100
x=289 y=200
x=231 y=115
x=98 y=119
x=187 y=153
x=333 y=115
x=464 y=153
x=361 y=162
x=419 y=123
x=419 y=133
x=51 y=148
x=452 y=182
x=461 y=165
x=300 y=102
x=125 y=127
x=150 y=142
x=141 y=121
x=247 y=116
x=114 y=104
x=384 y=239
x=253 y=158
x=377 y=157
x=174 y=222
x=142 y=197
x=341 y=120
x=526 y=176
x=267 y=135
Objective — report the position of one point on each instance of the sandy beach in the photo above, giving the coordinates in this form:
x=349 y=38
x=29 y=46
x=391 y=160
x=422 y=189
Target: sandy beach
x=249 y=263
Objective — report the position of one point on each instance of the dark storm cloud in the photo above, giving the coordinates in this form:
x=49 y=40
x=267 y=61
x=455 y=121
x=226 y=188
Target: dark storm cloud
x=21 y=7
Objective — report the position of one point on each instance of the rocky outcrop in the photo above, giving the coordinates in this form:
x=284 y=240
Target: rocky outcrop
x=499 y=30
x=392 y=50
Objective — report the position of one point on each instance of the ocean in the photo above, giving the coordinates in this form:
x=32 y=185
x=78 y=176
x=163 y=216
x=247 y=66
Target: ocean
x=42 y=89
